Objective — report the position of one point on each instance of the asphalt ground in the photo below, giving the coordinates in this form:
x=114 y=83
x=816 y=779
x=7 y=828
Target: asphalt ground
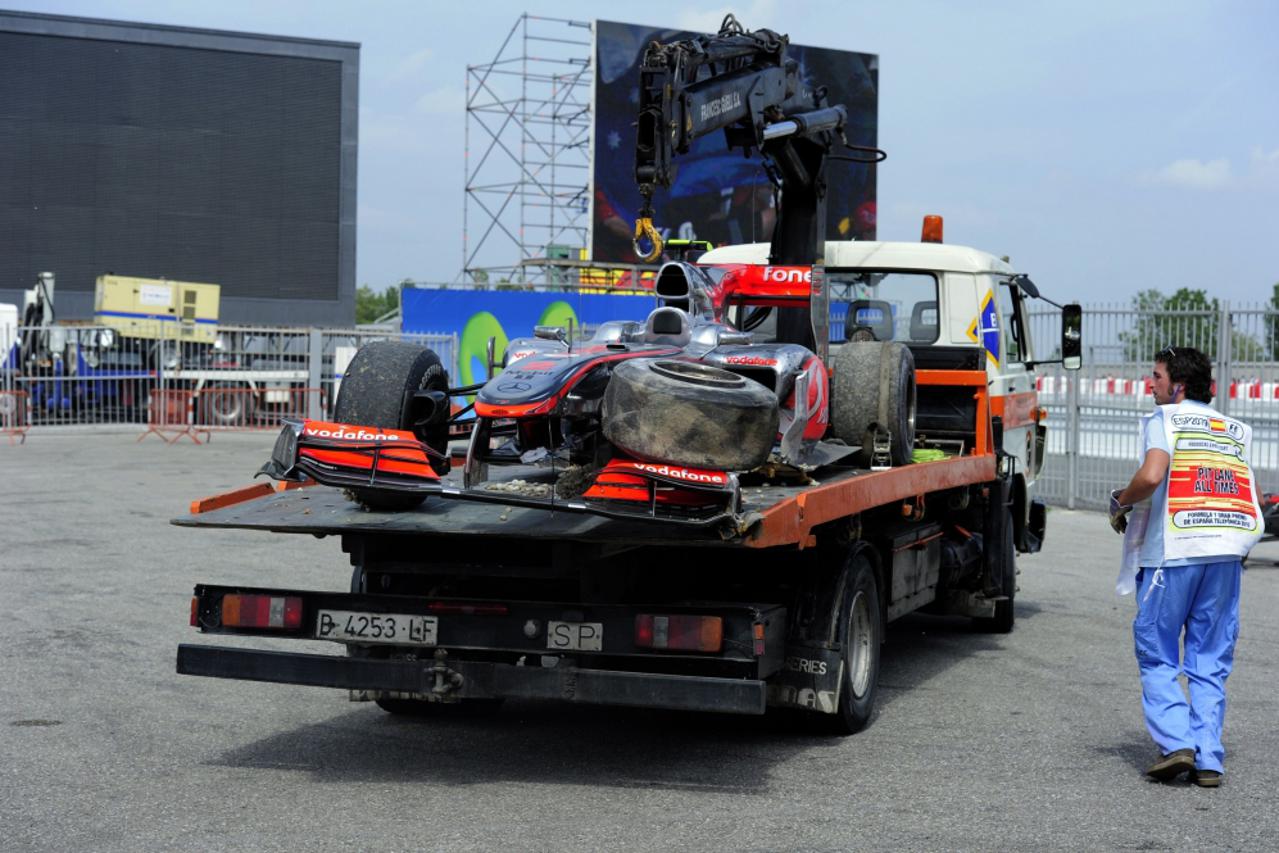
x=1032 y=740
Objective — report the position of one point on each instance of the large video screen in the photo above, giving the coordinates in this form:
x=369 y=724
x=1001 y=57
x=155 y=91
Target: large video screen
x=157 y=160
x=718 y=195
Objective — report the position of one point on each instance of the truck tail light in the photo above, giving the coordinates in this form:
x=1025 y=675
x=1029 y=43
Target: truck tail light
x=195 y=611
x=759 y=640
x=679 y=632
x=262 y=611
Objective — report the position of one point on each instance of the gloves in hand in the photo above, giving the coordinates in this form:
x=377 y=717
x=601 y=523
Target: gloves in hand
x=1118 y=512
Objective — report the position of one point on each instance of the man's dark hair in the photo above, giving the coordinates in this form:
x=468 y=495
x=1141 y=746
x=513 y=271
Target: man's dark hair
x=1189 y=368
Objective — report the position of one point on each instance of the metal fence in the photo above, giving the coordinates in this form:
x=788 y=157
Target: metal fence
x=1093 y=441
x=249 y=377
x=253 y=376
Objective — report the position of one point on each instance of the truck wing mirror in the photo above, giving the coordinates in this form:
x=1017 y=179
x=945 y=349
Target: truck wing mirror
x=1072 y=337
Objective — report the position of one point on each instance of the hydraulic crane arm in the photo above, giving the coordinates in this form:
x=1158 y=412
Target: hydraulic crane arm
x=744 y=84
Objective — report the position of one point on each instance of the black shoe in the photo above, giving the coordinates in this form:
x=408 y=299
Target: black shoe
x=1206 y=778
x=1172 y=765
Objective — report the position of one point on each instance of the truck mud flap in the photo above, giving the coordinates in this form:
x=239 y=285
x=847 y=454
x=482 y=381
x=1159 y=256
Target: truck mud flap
x=809 y=679
x=478 y=679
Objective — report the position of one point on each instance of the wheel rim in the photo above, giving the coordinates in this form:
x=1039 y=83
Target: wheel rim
x=857 y=644
x=701 y=374
x=227 y=407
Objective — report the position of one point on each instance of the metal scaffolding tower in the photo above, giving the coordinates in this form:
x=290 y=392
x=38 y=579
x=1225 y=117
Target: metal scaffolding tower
x=528 y=154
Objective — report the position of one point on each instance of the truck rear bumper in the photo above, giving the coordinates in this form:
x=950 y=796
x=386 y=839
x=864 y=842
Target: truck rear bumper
x=478 y=679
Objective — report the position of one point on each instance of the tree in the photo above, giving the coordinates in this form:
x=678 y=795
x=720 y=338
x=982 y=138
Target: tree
x=1272 y=324
x=369 y=304
x=1187 y=318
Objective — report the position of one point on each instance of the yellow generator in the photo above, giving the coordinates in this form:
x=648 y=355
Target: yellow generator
x=157 y=308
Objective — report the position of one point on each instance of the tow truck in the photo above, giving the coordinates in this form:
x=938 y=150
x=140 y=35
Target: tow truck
x=582 y=555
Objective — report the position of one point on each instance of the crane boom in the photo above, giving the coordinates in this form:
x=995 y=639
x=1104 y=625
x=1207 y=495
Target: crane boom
x=743 y=83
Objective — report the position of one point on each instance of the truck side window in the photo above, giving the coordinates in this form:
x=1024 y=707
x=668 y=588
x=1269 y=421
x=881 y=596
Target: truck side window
x=1010 y=313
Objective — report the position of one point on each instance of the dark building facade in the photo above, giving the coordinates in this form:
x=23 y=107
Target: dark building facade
x=165 y=152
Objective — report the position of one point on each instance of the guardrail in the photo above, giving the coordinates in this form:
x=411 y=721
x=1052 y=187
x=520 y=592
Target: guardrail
x=253 y=376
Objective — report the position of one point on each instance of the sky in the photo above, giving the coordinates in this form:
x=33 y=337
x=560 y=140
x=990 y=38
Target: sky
x=1106 y=147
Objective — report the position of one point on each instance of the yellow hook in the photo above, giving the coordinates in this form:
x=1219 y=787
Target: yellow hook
x=644 y=229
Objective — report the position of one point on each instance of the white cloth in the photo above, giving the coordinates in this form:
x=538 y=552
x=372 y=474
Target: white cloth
x=1134 y=536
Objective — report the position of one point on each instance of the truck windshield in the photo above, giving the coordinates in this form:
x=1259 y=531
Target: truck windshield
x=882 y=305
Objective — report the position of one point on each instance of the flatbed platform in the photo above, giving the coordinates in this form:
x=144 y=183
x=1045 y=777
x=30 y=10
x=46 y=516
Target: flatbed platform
x=771 y=515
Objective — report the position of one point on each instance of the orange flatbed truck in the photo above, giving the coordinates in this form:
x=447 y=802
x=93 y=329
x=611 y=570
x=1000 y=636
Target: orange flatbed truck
x=458 y=604
x=916 y=495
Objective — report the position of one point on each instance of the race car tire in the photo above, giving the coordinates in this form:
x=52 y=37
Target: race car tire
x=874 y=383
x=691 y=414
x=373 y=394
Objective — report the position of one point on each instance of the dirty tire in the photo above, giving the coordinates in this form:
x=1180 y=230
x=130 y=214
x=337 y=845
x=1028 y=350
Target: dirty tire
x=874 y=383
x=861 y=634
x=691 y=414
x=372 y=394
x=1004 y=619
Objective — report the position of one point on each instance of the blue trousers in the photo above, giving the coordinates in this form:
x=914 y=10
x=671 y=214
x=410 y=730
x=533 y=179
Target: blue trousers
x=1200 y=601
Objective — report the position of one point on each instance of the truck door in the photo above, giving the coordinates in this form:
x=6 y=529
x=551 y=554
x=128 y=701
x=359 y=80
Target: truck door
x=1013 y=386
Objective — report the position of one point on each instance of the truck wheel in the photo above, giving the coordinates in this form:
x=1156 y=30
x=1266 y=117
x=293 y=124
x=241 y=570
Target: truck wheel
x=687 y=413
x=1004 y=618
x=226 y=404
x=874 y=383
x=861 y=634
x=372 y=394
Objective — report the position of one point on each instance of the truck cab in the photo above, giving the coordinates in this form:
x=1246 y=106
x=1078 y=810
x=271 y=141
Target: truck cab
x=938 y=299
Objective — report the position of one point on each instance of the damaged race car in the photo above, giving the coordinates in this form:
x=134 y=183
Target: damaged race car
x=661 y=419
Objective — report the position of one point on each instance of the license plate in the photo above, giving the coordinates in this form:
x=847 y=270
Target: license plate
x=575 y=636
x=403 y=629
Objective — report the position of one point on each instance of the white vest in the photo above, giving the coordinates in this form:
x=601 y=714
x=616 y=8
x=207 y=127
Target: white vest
x=1212 y=507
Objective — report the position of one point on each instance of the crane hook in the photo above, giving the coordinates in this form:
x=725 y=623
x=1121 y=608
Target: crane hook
x=644 y=230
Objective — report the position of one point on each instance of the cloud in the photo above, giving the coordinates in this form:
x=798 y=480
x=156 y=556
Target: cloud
x=446 y=100
x=1264 y=167
x=761 y=13
x=409 y=67
x=1194 y=174
x=389 y=134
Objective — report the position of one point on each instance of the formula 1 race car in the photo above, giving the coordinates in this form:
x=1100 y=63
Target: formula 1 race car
x=659 y=419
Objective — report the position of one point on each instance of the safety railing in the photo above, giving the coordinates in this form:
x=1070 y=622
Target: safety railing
x=253 y=376
x=170 y=415
x=250 y=378
x=14 y=417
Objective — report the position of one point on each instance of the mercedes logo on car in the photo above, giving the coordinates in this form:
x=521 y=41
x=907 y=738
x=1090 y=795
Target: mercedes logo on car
x=514 y=387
